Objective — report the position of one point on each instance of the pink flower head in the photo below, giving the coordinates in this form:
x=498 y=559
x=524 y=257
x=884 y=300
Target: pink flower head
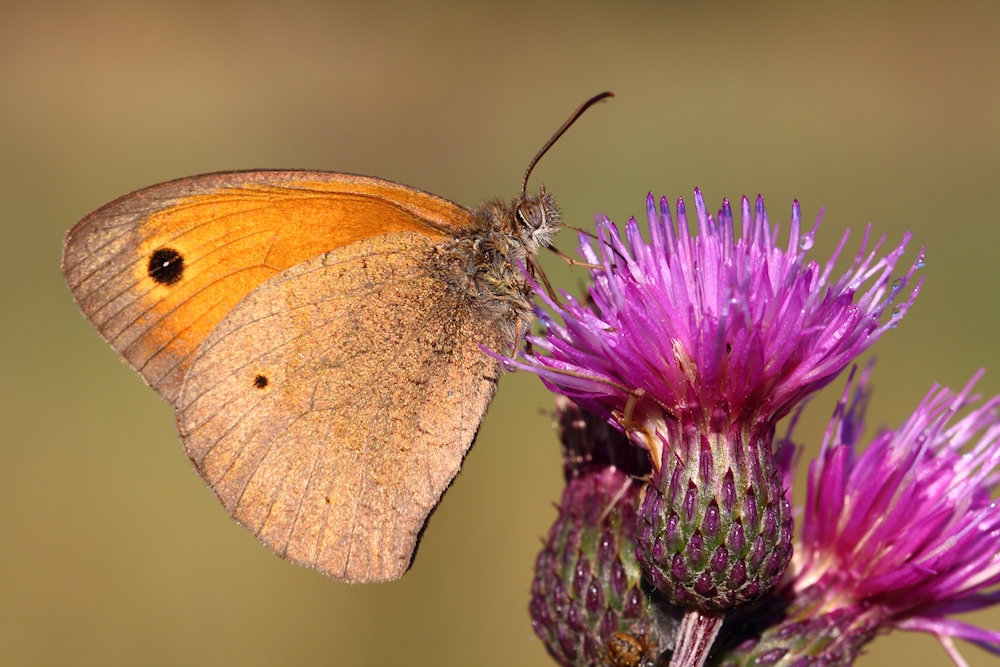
x=906 y=532
x=714 y=328
x=695 y=346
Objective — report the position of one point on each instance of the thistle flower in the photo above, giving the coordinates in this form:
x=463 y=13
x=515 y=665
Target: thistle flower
x=588 y=602
x=899 y=536
x=695 y=346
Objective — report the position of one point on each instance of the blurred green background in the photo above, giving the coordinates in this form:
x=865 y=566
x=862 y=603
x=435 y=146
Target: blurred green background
x=114 y=553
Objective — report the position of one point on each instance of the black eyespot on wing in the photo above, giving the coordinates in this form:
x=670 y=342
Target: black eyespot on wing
x=260 y=381
x=166 y=266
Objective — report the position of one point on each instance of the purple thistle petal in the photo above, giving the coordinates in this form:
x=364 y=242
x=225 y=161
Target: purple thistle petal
x=715 y=321
x=988 y=640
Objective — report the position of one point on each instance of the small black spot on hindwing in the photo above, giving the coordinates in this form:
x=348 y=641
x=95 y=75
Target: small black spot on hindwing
x=260 y=381
x=166 y=266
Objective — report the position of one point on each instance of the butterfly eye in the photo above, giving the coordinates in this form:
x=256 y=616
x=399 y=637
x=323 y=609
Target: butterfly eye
x=531 y=214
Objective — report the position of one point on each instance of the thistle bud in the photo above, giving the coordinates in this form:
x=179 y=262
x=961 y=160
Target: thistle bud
x=589 y=603
x=715 y=528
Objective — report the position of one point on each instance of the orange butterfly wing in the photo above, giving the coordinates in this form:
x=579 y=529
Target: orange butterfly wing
x=156 y=270
x=332 y=407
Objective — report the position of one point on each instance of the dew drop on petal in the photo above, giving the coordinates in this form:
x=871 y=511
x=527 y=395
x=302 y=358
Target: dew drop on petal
x=896 y=284
x=806 y=242
x=921 y=263
x=897 y=313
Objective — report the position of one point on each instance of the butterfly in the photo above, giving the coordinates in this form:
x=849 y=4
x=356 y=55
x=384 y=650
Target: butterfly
x=322 y=339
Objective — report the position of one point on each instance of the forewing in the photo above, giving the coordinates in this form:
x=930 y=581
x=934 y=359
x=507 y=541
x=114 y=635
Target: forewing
x=156 y=270
x=333 y=406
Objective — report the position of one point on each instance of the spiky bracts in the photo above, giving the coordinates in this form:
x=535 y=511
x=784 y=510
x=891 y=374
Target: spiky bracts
x=718 y=517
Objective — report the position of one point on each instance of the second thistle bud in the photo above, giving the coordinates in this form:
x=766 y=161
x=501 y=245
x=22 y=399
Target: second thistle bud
x=589 y=603
x=715 y=528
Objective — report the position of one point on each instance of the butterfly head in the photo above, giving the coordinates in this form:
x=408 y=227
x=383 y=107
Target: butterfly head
x=536 y=220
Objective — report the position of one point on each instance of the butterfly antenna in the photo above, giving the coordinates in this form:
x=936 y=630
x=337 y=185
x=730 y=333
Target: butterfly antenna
x=565 y=126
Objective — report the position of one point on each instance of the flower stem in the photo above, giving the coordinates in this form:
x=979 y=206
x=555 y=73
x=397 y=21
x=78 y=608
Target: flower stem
x=695 y=638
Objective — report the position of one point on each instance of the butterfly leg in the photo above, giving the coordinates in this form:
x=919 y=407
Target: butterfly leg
x=572 y=262
x=536 y=270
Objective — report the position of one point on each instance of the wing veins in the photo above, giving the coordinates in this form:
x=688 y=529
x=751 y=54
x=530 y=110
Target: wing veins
x=324 y=299
x=155 y=303
x=167 y=242
x=320 y=449
x=253 y=473
x=318 y=351
x=141 y=296
x=239 y=452
x=354 y=522
x=282 y=343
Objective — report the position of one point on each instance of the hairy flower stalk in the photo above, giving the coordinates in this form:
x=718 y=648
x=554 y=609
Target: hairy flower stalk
x=588 y=603
x=695 y=345
x=898 y=536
